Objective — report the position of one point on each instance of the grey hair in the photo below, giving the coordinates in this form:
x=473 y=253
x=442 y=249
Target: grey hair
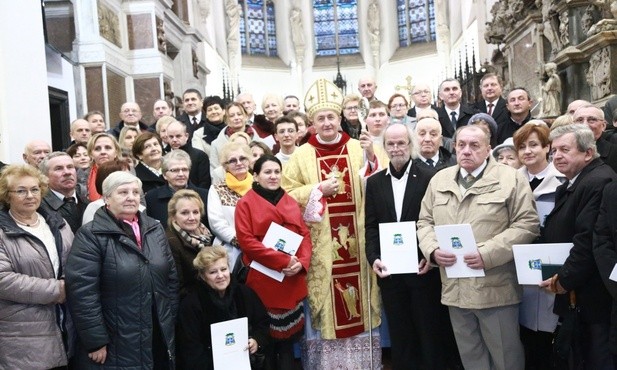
x=44 y=165
x=175 y=155
x=582 y=134
x=411 y=136
x=117 y=179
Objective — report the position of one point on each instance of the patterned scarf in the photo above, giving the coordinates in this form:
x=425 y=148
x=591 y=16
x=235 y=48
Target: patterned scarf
x=201 y=238
x=239 y=186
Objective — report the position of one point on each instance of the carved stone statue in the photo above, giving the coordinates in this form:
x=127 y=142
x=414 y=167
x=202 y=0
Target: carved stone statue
x=195 y=63
x=297 y=33
x=587 y=19
x=374 y=24
x=496 y=29
x=160 y=36
x=551 y=92
x=564 y=26
x=204 y=8
x=232 y=9
x=551 y=27
x=109 y=25
x=599 y=73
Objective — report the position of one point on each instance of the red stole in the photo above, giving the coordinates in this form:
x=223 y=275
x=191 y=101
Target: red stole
x=346 y=285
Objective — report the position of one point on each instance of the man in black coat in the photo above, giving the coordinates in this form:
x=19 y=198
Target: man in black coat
x=453 y=114
x=421 y=95
x=130 y=116
x=577 y=204
x=178 y=139
x=519 y=109
x=431 y=152
x=193 y=116
x=419 y=325
x=175 y=167
x=594 y=119
x=62 y=196
x=492 y=102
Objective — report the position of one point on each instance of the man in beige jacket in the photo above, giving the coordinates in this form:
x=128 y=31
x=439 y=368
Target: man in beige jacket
x=497 y=201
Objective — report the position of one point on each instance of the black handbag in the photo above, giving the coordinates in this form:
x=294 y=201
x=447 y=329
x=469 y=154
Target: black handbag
x=567 y=345
x=240 y=271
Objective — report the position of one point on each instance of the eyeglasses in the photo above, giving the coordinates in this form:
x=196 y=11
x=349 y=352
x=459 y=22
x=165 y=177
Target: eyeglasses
x=178 y=170
x=419 y=92
x=588 y=119
x=237 y=160
x=398 y=144
x=352 y=108
x=22 y=193
x=397 y=106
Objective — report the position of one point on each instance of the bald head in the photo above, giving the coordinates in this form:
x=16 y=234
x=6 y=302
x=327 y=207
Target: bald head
x=130 y=113
x=177 y=135
x=80 y=130
x=421 y=95
x=35 y=151
x=572 y=107
x=367 y=87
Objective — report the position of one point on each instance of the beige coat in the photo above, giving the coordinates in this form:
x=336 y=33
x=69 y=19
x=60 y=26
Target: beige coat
x=501 y=211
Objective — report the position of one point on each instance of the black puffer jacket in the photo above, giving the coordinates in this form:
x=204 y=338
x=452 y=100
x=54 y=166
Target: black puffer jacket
x=113 y=289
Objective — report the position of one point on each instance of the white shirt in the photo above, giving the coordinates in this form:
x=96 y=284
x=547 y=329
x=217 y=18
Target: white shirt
x=398 y=189
x=475 y=173
x=61 y=196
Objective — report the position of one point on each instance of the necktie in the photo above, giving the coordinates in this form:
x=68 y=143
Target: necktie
x=430 y=162
x=194 y=121
x=453 y=120
x=467 y=181
x=490 y=109
x=69 y=200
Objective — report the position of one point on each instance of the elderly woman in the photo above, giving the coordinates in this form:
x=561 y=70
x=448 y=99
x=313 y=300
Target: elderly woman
x=325 y=177
x=102 y=147
x=216 y=298
x=213 y=125
x=398 y=106
x=538 y=322
x=175 y=167
x=488 y=122
x=272 y=106
x=264 y=204
x=506 y=153
x=237 y=121
x=122 y=285
x=187 y=235
x=351 y=122
x=148 y=149
x=223 y=197
x=34 y=246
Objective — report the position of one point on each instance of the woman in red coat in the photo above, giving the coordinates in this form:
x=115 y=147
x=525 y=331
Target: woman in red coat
x=264 y=204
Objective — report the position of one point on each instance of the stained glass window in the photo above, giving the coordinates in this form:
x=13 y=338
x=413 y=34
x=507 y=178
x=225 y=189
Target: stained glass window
x=257 y=27
x=336 y=27
x=416 y=21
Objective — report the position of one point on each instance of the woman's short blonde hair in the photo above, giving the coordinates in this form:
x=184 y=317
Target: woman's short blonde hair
x=271 y=96
x=232 y=147
x=208 y=256
x=351 y=97
x=163 y=121
x=242 y=134
x=18 y=171
x=187 y=194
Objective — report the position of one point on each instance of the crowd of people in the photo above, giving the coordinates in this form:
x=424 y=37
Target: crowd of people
x=122 y=250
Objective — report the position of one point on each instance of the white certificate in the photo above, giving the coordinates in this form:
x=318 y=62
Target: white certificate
x=399 y=247
x=544 y=208
x=230 y=340
x=282 y=239
x=529 y=258
x=458 y=240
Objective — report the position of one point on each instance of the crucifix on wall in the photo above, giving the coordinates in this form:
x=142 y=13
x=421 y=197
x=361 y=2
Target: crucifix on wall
x=408 y=87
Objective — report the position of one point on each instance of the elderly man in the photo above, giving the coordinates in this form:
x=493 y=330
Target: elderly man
x=497 y=201
x=249 y=105
x=492 y=103
x=130 y=115
x=418 y=323
x=35 y=151
x=594 y=119
x=178 y=139
x=324 y=177
x=572 y=220
x=161 y=108
x=80 y=131
x=574 y=105
x=367 y=87
x=453 y=114
x=519 y=107
x=63 y=196
x=432 y=153
x=421 y=95
x=175 y=168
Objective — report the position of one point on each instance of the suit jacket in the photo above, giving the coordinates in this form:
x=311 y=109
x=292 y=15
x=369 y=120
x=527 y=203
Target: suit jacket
x=71 y=213
x=508 y=127
x=572 y=220
x=200 y=166
x=149 y=180
x=446 y=159
x=190 y=128
x=500 y=112
x=379 y=208
x=465 y=113
x=608 y=152
x=157 y=200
